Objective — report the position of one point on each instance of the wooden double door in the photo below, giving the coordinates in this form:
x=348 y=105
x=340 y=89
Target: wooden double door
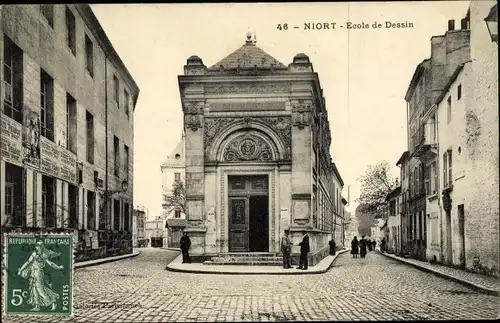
x=248 y=214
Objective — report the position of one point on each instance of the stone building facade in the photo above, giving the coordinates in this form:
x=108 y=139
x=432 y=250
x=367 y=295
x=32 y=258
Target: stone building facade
x=66 y=128
x=429 y=79
x=172 y=171
x=257 y=154
x=467 y=111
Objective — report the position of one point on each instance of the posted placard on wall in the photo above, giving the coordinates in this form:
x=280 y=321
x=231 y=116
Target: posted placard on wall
x=11 y=140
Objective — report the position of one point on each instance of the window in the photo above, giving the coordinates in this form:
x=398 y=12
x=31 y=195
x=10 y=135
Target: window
x=90 y=137
x=177 y=177
x=459 y=92
x=449 y=110
x=49 y=201
x=91 y=210
x=116 y=215
x=71 y=124
x=89 y=55
x=447 y=173
x=116 y=91
x=427 y=179
x=47 y=11
x=450 y=178
x=71 y=30
x=13 y=196
x=126 y=217
x=434 y=179
x=102 y=215
x=417 y=181
x=127 y=102
x=127 y=161
x=73 y=206
x=116 y=150
x=46 y=105
x=13 y=80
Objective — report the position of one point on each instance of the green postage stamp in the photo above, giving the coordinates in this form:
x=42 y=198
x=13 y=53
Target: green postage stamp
x=38 y=274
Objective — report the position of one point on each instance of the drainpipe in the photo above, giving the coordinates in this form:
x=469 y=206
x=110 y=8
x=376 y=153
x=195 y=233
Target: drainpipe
x=106 y=206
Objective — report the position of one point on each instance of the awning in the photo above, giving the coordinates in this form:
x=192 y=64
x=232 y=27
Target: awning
x=176 y=223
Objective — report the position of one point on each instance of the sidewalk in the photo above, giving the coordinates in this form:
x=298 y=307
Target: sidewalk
x=94 y=262
x=199 y=268
x=486 y=284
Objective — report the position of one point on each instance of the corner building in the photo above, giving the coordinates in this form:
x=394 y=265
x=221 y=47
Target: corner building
x=67 y=103
x=257 y=142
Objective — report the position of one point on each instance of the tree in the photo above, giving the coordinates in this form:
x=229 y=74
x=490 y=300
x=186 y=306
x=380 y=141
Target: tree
x=376 y=184
x=176 y=200
x=366 y=220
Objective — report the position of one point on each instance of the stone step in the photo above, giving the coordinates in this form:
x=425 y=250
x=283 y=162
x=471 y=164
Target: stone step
x=245 y=263
x=248 y=254
x=247 y=259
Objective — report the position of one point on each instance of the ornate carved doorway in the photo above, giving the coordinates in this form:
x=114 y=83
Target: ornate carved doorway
x=248 y=213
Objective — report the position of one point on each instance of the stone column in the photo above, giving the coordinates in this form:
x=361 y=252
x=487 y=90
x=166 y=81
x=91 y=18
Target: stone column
x=193 y=106
x=302 y=164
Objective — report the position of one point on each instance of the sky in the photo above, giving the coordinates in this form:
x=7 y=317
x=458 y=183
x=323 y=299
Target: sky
x=364 y=73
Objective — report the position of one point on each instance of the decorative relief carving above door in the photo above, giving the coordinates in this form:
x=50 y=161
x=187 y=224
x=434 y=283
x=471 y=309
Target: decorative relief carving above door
x=247 y=148
x=280 y=125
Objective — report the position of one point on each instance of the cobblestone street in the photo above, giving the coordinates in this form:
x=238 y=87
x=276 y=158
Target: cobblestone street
x=375 y=288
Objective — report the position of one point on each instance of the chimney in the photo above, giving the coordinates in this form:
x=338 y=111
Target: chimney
x=464 y=24
x=451 y=25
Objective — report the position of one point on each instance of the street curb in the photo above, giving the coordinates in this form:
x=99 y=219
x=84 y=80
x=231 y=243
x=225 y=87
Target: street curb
x=478 y=287
x=172 y=249
x=105 y=260
x=301 y=272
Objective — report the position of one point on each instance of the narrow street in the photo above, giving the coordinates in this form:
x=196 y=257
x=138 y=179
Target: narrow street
x=375 y=288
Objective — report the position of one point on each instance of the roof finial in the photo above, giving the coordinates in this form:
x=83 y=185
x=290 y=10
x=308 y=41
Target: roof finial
x=254 y=36
x=249 y=38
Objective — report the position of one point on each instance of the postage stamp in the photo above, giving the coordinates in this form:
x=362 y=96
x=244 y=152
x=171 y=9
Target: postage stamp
x=38 y=274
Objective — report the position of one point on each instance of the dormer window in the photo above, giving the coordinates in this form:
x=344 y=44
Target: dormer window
x=177 y=156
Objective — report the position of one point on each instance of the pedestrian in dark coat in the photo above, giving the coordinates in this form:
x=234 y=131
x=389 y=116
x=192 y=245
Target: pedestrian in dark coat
x=369 y=245
x=374 y=243
x=382 y=245
x=354 y=247
x=304 y=249
x=185 y=245
x=362 y=247
x=332 y=247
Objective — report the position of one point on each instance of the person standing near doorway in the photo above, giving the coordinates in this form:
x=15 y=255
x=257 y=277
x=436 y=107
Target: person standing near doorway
x=304 y=249
x=185 y=245
x=286 y=248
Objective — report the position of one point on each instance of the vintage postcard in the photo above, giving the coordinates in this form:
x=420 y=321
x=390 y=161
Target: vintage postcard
x=38 y=274
x=208 y=162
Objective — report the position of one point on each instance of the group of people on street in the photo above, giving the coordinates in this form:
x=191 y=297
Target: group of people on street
x=286 y=249
x=363 y=245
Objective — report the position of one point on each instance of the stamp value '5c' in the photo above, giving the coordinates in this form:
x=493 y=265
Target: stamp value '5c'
x=38 y=274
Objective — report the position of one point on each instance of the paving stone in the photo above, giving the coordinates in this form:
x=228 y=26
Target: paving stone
x=374 y=288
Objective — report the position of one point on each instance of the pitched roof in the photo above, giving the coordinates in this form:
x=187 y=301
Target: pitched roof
x=176 y=157
x=248 y=56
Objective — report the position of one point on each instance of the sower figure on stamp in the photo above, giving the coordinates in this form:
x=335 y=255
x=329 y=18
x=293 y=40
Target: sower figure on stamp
x=304 y=249
x=286 y=248
x=40 y=295
x=185 y=245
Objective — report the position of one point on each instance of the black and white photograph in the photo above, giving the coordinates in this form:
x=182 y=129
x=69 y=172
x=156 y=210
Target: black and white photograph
x=253 y=161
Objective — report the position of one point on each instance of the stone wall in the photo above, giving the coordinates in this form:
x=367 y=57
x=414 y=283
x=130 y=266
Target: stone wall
x=482 y=129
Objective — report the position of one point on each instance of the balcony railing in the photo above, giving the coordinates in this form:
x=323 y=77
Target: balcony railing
x=423 y=141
